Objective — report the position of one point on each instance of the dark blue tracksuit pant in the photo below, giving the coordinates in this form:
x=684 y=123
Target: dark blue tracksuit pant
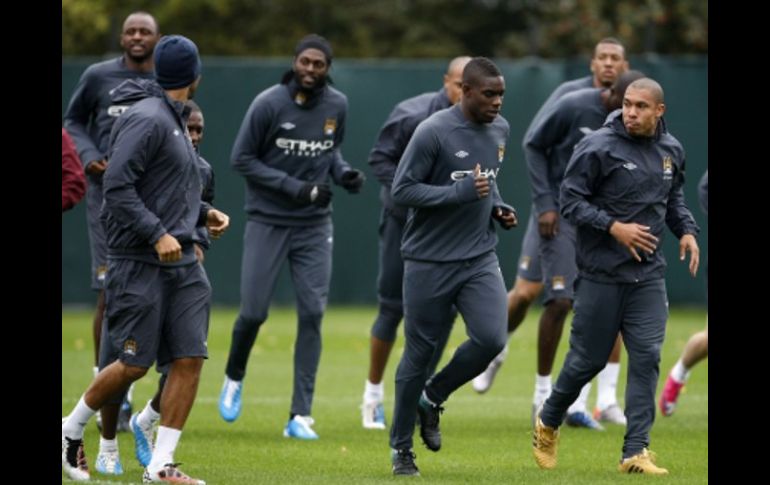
x=476 y=288
x=639 y=311
x=308 y=250
x=390 y=285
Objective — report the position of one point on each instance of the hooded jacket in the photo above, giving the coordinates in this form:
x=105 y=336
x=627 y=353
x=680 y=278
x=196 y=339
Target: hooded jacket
x=152 y=185
x=614 y=176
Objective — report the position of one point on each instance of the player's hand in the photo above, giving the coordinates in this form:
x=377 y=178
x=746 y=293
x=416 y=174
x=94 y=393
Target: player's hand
x=506 y=216
x=199 y=255
x=317 y=194
x=96 y=167
x=168 y=249
x=688 y=243
x=481 y=182
x=548 y=224
x=217 y=223
x=352 y=180
x=634 y=236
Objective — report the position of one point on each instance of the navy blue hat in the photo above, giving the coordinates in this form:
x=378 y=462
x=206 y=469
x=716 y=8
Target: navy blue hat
x=177 y=63
x=314 y=41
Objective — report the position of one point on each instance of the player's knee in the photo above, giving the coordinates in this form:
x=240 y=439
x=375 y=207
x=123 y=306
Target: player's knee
x=386 y=325
x=132 y=372
x=585 y=364
x=493 y=345
x=645 y=358
x=250 y=322
x=526 y=291
x=385 y=329
x=390 y=310
x=189 y=366
x=559 y=307
x=310 y=322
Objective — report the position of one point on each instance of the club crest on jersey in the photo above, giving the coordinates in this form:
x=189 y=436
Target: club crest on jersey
x=558 y=283
x=330 y=126
x=129 y=347
x=500 y=152
x=668 y=168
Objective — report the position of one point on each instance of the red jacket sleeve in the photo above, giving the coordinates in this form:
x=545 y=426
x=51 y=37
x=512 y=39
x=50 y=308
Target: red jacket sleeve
x=73 y=180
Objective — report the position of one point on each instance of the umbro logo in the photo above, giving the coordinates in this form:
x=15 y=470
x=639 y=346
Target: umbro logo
x=176 y=132
x=629 y=166
x=462 y=154
x=288 y=125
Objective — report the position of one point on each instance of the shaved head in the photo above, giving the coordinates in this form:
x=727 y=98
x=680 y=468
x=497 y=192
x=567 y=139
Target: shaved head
x=643 y=107
x=457 y=64
x=141 y=16
x=453 y=79
x=650 y=85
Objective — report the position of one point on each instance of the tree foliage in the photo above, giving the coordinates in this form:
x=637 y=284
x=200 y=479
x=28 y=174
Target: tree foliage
x=400 y=28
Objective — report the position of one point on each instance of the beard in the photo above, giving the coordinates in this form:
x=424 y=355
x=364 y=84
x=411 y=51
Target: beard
x=319 y=84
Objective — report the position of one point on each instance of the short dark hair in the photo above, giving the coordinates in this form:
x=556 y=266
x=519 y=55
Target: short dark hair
x=479 y=67
x=148 y=14
x=610 y=40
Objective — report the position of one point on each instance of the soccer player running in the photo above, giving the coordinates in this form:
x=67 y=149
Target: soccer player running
x=622 y=186
x=157 y=295
x=288 y=149
x=143 y=422
x=607 y=63
x=447 y=177
x=547 y=148
x=89 y=119
x=384 y=157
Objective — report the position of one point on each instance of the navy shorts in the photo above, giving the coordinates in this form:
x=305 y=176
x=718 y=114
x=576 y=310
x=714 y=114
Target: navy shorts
x=559 y=266
x=157 y=312
x=529 y=261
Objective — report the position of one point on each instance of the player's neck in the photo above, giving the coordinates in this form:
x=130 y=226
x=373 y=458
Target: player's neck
x=146 y=65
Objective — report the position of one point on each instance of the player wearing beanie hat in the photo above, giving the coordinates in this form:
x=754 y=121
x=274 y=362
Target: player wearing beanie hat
x=158 y=296
x=177 y=63
x=314 y=41
x=288 y=150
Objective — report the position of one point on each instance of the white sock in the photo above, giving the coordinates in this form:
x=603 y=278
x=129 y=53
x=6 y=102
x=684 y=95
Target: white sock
x=96 y=370
x=148 y=417
x=76 y=421
x=579 y=406
x=165 y=445
x=374 y=392
x=542 y=389
x=130 y=393
x=108 y=446
x=500 y=358
x=607 y=385
x=680 y=373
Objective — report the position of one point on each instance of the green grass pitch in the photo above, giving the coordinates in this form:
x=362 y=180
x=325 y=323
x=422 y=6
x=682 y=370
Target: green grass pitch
x=486 y=439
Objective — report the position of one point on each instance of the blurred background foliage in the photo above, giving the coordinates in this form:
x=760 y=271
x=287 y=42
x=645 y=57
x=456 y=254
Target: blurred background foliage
x=400 y=28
